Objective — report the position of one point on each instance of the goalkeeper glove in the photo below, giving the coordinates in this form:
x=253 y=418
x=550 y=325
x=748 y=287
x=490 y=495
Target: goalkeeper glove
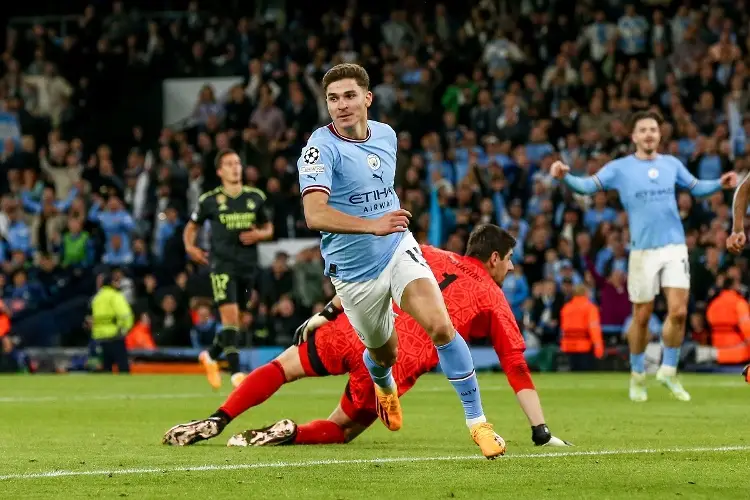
x=541 y=436
x=329 y=313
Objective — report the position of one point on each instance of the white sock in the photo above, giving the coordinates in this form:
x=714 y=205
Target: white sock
x=705 y=354
x=471 y=422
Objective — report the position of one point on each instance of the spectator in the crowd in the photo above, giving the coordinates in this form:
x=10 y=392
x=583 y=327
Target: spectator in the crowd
x=19 y=235
x=516 y=289
x=25 y=294
x=545 y=315
x=76 y=246
x=170 y=324
x=284 y=319
x=204 y=327
x=278 y=280
x=308 y=279
x=581 y=331
x=728 y=317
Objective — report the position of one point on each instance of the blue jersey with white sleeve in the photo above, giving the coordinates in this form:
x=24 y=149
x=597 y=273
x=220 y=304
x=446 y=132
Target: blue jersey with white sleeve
x=647 y=191
x=358 y=176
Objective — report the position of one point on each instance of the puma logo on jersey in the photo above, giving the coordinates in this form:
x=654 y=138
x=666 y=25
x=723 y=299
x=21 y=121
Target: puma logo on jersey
x=376 y=176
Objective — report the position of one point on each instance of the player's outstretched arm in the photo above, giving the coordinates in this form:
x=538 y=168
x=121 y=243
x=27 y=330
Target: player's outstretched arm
x=320 y=216
x=700 y=188
x=519 y=377
x=736 y=241
x=509 y=346
x=581 y=185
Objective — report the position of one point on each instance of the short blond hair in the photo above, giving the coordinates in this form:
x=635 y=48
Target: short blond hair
x=344 y=71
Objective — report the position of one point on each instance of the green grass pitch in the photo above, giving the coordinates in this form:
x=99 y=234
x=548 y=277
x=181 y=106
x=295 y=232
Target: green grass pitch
x=99 y=437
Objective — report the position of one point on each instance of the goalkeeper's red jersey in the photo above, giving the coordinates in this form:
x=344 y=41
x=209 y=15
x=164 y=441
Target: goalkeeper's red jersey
x=477 y=307
x=476 y=304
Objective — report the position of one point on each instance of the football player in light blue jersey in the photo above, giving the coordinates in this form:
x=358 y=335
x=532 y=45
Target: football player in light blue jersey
x=346 y=175
x=658 y=260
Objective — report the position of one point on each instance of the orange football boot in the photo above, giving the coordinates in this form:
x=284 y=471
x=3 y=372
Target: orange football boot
x=491 y=444
x=389 y=408
x=212 y=370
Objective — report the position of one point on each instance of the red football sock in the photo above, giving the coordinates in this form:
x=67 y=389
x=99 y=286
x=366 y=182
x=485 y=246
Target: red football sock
x=259 y=385
x=320 y=432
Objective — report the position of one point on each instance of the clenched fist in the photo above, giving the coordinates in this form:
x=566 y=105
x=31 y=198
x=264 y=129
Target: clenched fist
x=736 y=242
x=728 y=180
x=559 y=169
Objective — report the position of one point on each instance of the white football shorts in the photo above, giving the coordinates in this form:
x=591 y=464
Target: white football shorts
x=368 y=304
x=656 y=268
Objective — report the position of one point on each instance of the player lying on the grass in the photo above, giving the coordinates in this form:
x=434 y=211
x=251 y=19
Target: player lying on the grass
x=328 y=345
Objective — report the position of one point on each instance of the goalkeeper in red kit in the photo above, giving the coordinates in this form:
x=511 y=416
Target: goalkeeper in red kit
x=328 y=345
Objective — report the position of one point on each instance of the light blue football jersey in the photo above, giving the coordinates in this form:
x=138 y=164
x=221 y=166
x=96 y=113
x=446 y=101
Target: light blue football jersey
x=647 y=191
x=358 y=176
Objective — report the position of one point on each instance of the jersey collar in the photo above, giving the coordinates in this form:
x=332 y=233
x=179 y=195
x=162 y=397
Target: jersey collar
x=229 y=195
x=335 y=132
x=479 y=265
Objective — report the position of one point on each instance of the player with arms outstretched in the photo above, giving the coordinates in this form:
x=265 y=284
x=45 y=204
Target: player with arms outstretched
x=328 y=345
x=238 y=221
x=346 y=175
x=646 y=182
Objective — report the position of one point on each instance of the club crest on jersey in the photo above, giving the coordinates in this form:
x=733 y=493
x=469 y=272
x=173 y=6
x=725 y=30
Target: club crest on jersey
x=222 y=201
x=653 y=174
x=311 y=155
x=373 y=161
x=251 y=205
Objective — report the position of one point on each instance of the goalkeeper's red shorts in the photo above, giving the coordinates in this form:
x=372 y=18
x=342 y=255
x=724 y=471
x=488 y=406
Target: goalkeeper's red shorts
x=335 y=349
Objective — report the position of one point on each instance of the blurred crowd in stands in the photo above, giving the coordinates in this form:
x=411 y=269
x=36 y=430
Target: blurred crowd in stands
x=483 y=96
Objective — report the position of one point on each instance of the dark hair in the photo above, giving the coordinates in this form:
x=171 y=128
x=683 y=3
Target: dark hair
x=220 y=156
x=344 y=71
x=487 y=239
x=645 y=115
x=728 y=283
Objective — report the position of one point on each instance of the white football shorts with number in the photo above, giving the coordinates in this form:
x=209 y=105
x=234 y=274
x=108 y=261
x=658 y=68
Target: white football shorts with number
x=653 y=269
x=368 y=304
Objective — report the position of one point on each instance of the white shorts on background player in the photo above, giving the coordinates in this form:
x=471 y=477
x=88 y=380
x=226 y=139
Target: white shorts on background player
x=656 y=268
x=368 y=304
